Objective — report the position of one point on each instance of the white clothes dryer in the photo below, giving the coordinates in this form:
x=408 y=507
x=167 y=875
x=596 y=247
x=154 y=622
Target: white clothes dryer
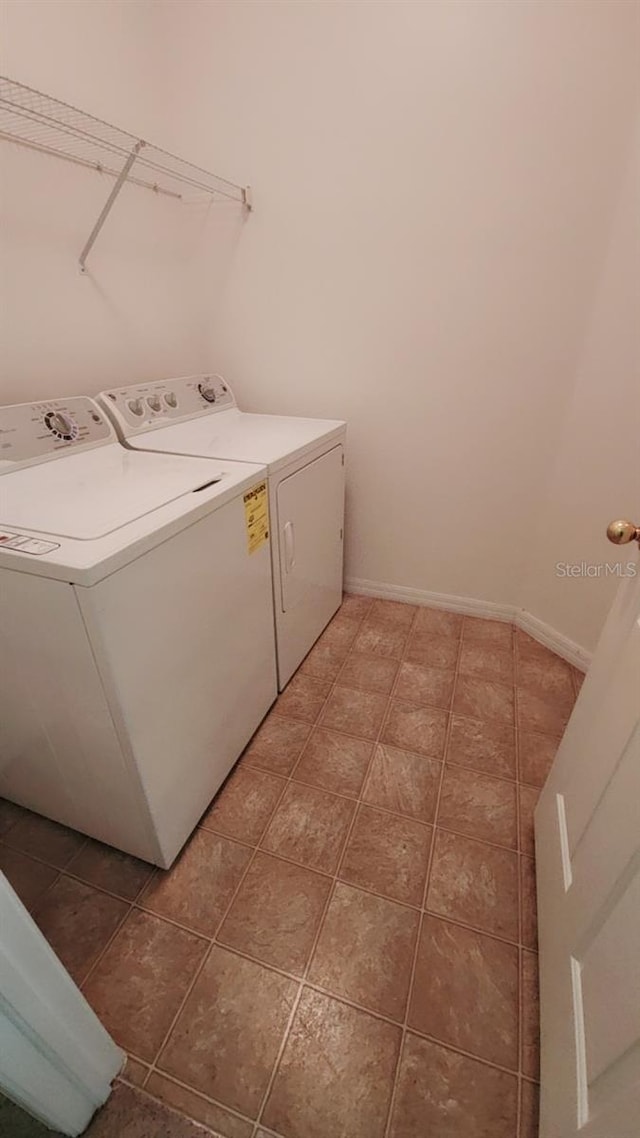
x=198 y=415
x=136 y=629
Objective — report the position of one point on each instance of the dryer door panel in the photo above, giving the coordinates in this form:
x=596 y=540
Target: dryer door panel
x=310 y=518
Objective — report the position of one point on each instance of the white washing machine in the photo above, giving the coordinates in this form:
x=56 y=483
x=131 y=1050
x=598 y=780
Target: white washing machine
x=198 y=415
x=136 y=629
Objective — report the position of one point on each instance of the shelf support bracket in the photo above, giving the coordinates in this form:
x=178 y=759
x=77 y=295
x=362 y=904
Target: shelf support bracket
x=106 y=209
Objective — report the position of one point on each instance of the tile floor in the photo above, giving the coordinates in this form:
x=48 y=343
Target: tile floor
x=347 y=945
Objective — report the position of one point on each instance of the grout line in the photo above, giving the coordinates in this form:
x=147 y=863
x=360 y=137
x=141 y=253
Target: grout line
x=196 y=976
x=516 y=721
x=425 y=891
x=209 y=950
x=45 y=892
x=196 y=1093
x=41 y=861
x=474 y=837
x=131 y=904
x=321 y=923
x=107 y=945
x=518 y=1106
x=285 y=783
x=520 y=1007
x=467 y=1054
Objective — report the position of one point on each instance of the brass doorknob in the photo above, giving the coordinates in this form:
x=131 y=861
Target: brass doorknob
x=622 y=532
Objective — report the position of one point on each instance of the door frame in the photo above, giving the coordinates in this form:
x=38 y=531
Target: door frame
x=57 y=1061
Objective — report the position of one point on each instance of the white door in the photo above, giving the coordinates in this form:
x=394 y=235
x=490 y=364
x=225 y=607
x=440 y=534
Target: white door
x=310 y=519
x=56 y=1059
x=588 y=867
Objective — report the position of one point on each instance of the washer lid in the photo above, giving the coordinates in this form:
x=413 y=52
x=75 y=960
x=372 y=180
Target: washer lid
x=91 y=494
x=241 y=437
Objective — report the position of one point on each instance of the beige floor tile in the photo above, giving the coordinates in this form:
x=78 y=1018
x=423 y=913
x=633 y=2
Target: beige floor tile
x=188 y=1102
x=226 y=1039
x=140 y=981
x=356 y=712
x=484 y=745
x=276 y=913
x=78 y=921
x=479 y=805
x=29 y=878
x=387 y=855
x=483 y=699
x=244 y=805
x=530 y=1016
x=419 y=729
x=417 y=683
x=447 y=1095
x=365 y=951
x=371 y=673
x=277 y=745
x=403 y=782
x=334 y=762
x=474 y=883
x=110 y=869
x=309 y=827
x=44 y=839
x=465 y=991
x=535 y=756
x=336 y=1073
x=198 y=888
x=381 y=640
x=528 y=801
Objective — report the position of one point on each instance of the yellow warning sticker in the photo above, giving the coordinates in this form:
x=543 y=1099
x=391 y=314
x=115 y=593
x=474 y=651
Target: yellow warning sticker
x=256 y=516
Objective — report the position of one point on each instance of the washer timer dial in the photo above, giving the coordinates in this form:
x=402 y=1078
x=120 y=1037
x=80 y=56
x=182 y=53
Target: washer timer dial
x=207 y=392
x=61 y=426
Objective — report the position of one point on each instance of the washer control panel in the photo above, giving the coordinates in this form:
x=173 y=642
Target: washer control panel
x=149 y=405
x=26 y=544
x=34 y=432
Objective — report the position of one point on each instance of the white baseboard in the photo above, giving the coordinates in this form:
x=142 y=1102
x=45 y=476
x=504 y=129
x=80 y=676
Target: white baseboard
x=470 y=606
x=551 y=638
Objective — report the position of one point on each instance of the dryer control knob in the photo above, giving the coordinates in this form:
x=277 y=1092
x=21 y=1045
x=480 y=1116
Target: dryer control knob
x=154 y=402
x=135 y=406
x=207 y=392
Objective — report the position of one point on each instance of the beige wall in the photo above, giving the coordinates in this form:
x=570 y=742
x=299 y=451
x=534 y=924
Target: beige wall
x=436 y=185
x=435 y=188
x=133 y=315
x=596 y=473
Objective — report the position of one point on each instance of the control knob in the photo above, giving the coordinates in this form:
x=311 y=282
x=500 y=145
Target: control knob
x=154 y=402
x=135 y=406
x=207 y=392
x=60 y=425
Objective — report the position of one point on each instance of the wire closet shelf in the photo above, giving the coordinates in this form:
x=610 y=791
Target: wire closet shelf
x=39 y=122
